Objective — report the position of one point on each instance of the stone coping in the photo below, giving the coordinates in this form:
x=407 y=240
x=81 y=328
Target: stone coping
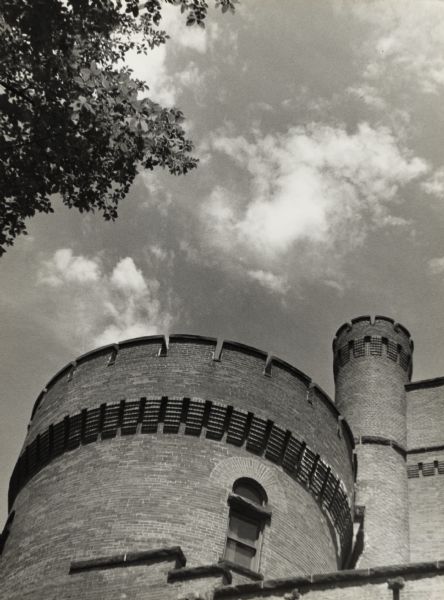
x=336 y=578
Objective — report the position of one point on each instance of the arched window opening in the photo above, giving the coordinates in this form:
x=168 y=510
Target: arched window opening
x=247 y=517
x=251 y=490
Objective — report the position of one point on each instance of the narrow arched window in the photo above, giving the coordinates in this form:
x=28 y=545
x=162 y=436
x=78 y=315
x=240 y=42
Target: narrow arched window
x=248 y=514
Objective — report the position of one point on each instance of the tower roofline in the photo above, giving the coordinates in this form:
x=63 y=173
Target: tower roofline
x=385 y=325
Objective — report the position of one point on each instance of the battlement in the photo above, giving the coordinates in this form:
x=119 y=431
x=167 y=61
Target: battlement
x=141 y=448
x=381 y=336
x=263 y=364
x=379 y=326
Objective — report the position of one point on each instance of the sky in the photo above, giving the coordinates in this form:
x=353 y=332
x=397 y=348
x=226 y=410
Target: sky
x=319 y=197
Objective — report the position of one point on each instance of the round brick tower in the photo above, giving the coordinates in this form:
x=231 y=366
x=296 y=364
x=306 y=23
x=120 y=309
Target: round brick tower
x=158 y=464
x=372 y=364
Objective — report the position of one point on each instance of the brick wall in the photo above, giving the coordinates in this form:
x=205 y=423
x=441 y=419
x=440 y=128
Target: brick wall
x=425 y=429
x=425 y=413
x=372 y=366
x=147 y=491
x=139 y=492
x=188 y=369
x=382 y=489
x=426 y=502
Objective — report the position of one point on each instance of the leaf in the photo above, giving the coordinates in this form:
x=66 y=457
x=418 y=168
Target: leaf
x=85 y=74
x=74 y=123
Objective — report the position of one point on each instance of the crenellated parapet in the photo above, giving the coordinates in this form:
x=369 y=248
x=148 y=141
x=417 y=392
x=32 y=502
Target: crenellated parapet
x=380 y=337
x=195 y=366
x=267 y=364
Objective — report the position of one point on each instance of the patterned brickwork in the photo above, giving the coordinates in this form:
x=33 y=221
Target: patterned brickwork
x=126 y=452
x=426 y=500
x=372 y=346
x=425 y=469
x=167 y=415
x=139 y=492
x=425 y=434
x=379 y=327
x=242 y=376
x=133 y=449
x=372 y=365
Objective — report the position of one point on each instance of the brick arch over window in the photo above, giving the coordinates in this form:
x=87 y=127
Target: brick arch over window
x=227 y=471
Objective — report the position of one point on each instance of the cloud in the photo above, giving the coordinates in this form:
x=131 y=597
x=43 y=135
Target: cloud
x=368 y=94
x=153 y=67
x=436 y=266
x=161 y=254
x=270 y=281
x=435 y=184
x=405 y=41
x=315 y=184
x=128 y=278
x=64 y=267
x=93 y=306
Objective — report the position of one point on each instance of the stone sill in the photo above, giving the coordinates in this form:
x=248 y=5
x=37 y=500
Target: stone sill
x=130 y=559
x=201 y=571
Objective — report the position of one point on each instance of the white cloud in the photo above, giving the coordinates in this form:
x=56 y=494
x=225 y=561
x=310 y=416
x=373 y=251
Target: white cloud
x=406 y=41
x=94 y=307
x=63 y=266
x=161 y=254
x=274 y=283
x=153 y=67
x=315 y=184
x=436 y=266
x=368 y=94
x=435 y=184
x=128 y=278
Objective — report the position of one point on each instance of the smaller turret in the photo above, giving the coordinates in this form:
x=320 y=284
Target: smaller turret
x=372 y=365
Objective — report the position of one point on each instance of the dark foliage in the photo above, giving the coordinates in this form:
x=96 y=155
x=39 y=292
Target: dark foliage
x=73 y=120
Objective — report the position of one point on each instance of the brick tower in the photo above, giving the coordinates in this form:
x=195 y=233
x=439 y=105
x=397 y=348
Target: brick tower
x=372 y=365
x=158 y=466
x=186 y=468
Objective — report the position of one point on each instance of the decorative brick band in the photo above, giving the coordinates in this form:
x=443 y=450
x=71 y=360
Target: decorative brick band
x=381 y=441
x=165 y=346
x=372 y=346
x=422 y=449
x=425 y=469
x=193 y=416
